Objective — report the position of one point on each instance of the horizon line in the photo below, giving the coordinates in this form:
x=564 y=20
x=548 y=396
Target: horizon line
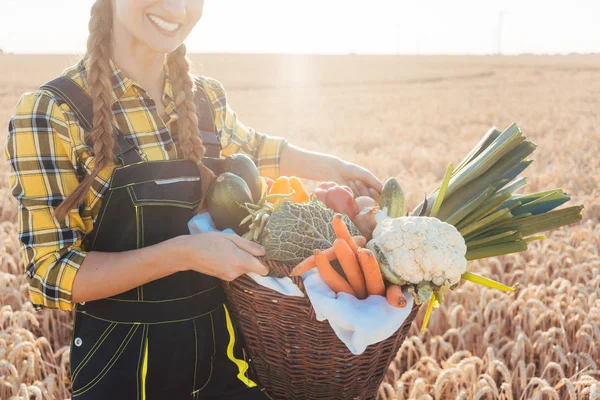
x=5 y=53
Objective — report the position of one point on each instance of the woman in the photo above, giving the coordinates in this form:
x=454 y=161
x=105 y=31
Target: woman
x=103 y=209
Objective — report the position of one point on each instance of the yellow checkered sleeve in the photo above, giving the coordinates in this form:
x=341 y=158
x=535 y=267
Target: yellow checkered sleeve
x=237 y=137
x=47 y=150
x=39 y=151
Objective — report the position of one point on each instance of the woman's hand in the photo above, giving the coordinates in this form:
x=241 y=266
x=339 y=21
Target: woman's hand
x=324 y=167
x=359 y=179
x=222 y=255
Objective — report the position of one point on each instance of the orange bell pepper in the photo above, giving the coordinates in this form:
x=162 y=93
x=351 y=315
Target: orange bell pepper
x=280 y=186
x=300 y=194
x=285 y=185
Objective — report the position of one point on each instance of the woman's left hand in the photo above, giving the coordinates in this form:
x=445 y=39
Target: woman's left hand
x=296 y=161
x=359 y=179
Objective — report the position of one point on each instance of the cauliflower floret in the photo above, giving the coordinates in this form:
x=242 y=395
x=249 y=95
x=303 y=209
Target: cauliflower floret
x=412 y=270
x=422 y=249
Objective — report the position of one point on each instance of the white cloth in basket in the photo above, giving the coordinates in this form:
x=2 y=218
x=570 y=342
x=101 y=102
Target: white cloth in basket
x=203 y=223
x=358 y=323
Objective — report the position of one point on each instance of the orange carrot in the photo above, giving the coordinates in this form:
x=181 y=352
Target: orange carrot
x=395 y=296
x=370 y=267
x=330 y=277
x=342 y=232
x=309 y=263
x=350 y=266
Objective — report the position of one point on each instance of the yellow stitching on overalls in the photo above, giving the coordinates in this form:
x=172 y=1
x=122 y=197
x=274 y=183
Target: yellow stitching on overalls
x=162 y=202
x=241 y=364
x=143 y=231
x=110 y=363
x=93 y=350
x=150 y=323
x=182 y=161
x=196 y=356
x=163 y=301
x=140 y=244
x=150 y=180
x=137 y=226
x=102 y=216
x=212 y=322
x=137 y=241
x=139 y=363
x=212 y=358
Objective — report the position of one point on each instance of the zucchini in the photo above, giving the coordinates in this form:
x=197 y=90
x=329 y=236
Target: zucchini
x=392 y=197
x=225 y=197
x=243 y=166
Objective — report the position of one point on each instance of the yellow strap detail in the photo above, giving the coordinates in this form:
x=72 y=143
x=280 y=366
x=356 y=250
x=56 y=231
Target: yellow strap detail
x=144 y=370
x=242 y=365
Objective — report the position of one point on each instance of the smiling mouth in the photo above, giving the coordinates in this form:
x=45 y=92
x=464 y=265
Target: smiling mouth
x=164 y=26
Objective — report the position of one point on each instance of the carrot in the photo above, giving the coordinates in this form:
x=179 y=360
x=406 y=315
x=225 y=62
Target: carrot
x=330 y=277
x=370 y=268
x=309 y=263
x=350 y=266
x=342 y=232
x=395 y=296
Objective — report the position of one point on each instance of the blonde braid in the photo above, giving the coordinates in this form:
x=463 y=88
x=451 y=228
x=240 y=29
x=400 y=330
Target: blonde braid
x=98 y=77
x=189 y=139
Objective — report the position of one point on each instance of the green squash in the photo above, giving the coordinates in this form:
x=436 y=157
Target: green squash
x=243 y=166
x=225 y=196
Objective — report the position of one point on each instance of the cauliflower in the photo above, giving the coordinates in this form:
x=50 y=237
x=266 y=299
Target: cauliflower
x=420 y=249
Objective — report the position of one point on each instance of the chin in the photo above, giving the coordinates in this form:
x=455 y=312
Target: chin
x=162 y=44
x=163 y=48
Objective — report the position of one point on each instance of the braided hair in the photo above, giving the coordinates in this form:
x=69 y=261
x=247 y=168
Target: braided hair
x=99 y=51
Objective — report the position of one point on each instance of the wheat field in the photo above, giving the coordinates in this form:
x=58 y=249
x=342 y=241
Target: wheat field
x=408 y=117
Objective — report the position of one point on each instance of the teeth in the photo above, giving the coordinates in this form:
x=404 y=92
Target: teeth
x=167 y=26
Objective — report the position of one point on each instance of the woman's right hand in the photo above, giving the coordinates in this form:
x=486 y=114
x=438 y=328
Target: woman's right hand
x=222 y=255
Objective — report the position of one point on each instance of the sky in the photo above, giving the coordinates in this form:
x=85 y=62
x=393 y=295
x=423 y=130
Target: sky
x=335 y=26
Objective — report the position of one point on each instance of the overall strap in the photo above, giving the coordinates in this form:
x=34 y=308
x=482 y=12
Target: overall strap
x=206 y=122
x=67 y=91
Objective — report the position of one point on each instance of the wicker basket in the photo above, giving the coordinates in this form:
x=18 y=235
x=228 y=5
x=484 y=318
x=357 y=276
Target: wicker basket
x=294 y=356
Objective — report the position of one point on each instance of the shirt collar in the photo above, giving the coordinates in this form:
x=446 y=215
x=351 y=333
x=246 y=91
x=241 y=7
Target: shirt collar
x=121 y=85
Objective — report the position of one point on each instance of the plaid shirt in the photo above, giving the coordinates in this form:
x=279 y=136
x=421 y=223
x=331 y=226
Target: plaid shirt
x=46 y=149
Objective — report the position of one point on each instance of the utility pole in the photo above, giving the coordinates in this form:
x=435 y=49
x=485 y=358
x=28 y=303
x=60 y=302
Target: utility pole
x=500 y=23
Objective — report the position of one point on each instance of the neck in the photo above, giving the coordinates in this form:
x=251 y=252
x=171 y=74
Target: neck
x=137 y=61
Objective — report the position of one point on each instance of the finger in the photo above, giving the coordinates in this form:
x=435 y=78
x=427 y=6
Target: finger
x=363 y=190
x=374 y=195
x=250 y=247
x=254 y=265
x=371 y=180
x=352 y=186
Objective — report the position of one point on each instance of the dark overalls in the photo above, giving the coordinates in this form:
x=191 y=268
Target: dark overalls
x=172 y=338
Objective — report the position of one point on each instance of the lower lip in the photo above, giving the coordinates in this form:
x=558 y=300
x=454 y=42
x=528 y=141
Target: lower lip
x=161 y=30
